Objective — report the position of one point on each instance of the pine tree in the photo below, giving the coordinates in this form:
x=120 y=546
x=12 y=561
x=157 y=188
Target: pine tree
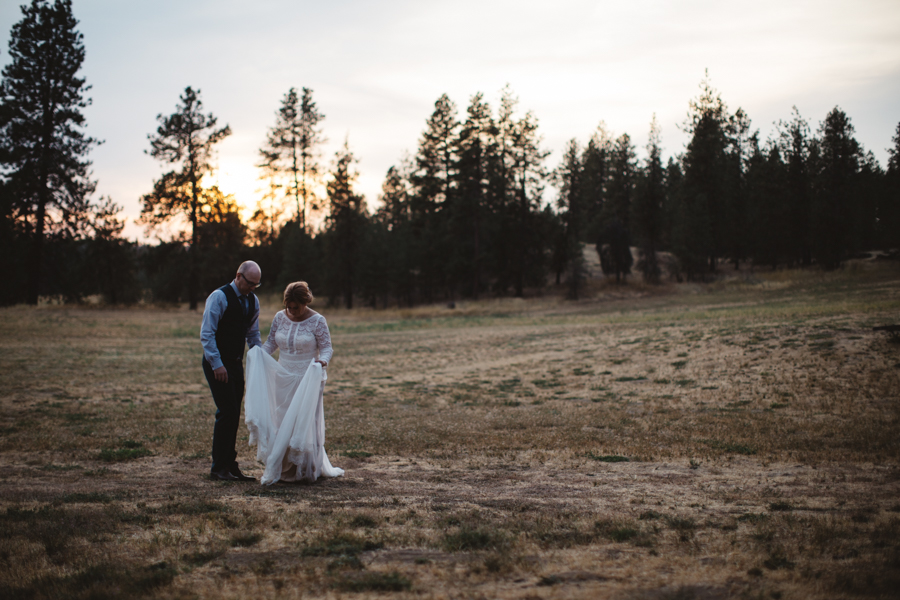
x=112 y=271
x=394 y=217
x=186 y=137
x=436 y=158
x=889 y=207
x=433 y=186
x=525 y=175
x=835 y=176
x=220 y=238
x=595 y=176
x=568 y=179
x=475 y=199
x=291 y=151
x=734 y=233
x=768 y=216
x=647 y=210
x=346 y=227
x=794 y=148
x=699 y=229
x=43 y=147
x=614 y=244
x=620 y=182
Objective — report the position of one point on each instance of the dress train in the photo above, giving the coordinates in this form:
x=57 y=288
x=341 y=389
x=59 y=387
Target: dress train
x=284 y=415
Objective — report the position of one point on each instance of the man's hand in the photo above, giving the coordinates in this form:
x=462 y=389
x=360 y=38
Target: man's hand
x=221 y=374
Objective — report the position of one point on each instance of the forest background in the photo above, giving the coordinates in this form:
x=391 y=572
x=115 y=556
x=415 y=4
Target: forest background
x=475 y=211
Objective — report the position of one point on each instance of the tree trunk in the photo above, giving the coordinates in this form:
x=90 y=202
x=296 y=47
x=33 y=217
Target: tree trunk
x=37 y=253
x=192 y=257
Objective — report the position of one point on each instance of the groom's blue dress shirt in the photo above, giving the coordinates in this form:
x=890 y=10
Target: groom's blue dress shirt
x=215 y=307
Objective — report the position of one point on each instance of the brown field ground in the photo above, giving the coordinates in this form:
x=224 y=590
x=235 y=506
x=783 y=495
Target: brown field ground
x=729 y=440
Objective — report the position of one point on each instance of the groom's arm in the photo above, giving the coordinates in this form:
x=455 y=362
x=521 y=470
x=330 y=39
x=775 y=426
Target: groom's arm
x=212 y=312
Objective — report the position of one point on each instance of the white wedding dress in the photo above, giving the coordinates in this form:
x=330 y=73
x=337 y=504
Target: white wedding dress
x=283 y=406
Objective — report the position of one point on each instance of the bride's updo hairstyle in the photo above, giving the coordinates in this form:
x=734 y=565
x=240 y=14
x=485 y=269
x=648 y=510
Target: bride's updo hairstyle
x=297 y=292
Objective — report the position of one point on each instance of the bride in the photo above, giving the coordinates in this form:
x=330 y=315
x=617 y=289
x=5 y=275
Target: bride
x=284 y=399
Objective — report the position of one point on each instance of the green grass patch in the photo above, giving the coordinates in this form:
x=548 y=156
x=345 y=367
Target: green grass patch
x=363 y=521
x=127 y=450
x=474 y=538
x=341 y=544
x=357 y=454
x=373 y=582
x=730 y=447
x=85 y=498
x=546 y=383
x=681 y=523
x=508 y=385
x=609 y=458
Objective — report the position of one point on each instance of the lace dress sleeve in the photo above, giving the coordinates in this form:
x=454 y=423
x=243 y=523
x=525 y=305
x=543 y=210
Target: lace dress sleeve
x=323 y=341
x=271 y=345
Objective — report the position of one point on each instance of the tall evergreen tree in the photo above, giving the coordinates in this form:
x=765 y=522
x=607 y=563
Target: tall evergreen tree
x=733 y=225
x=768 y=216
x=525 y=174
x=346 y=228
x=793 y=141
x=291 y=150
x=394 y=218
x=436 y=158
x=699 y=238
x=43 y=147
x=433 y=185
x=595 y=176
x=568 y=179
x=835 y=180
x=647 y=210
x=112 y=271
x=889 y=207
x=475 y=199
x=186 y=137
x=614 y=244
x=620 y=182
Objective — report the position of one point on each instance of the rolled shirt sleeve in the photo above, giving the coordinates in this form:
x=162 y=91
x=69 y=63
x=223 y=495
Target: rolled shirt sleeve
x=215 y=307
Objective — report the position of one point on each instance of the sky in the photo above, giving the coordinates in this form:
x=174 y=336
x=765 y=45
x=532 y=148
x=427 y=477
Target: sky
x=376 y=69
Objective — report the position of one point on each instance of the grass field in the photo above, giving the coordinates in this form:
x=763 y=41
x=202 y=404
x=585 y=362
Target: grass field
x=731 y=440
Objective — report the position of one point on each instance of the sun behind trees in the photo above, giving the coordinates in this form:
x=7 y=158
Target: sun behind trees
x=186 y=137
x=290 y=159
x=467 y=215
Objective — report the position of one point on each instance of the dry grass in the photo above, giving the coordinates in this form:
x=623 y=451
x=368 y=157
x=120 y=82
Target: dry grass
x=738 y=439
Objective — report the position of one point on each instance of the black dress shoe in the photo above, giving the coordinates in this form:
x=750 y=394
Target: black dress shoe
x=236 y=473
x=222 y=476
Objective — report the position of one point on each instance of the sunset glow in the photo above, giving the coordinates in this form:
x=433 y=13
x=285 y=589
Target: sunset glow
x=377 y=69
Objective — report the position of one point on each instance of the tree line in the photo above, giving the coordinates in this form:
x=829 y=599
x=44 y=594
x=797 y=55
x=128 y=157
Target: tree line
x=474 y=212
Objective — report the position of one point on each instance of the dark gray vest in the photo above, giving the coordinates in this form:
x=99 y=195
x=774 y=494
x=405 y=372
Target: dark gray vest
x=231 y=332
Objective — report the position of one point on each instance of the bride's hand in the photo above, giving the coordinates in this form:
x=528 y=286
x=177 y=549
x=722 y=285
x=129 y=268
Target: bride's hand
x=323 y=363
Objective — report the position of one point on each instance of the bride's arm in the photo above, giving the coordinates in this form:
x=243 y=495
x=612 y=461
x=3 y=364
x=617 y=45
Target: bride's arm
x=271 y=345
x=323 y=341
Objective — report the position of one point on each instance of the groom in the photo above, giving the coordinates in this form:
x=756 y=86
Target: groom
x=230 y=318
